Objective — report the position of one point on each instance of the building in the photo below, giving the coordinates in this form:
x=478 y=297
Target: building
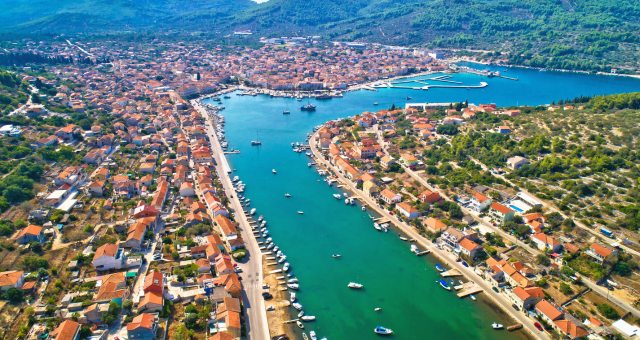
x=516 y=162
x=407 y=210
x=30 y=233
x=390 y=197
x=545 y=242
x=434 y=225
x=548 y=312
x=601 y=253
x=143 y=326
x=469 y=248
x=571 y=329
x=480 y=202
x=154 y=282
x=151 y=302
x=525 y=298
x=501 y=212
x=109 y=256
x=11 y=279
x=67 y=330
x=429 y=196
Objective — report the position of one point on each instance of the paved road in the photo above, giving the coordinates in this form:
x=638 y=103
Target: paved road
x=499 y=299
x=255 y=312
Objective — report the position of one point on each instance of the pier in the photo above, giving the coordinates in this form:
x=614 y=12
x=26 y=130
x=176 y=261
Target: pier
x=470 y=288
x=428 y=86
x=451 y=273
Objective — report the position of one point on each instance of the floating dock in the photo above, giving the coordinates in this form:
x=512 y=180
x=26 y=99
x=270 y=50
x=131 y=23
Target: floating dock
x=470 y=288
x=450 y=273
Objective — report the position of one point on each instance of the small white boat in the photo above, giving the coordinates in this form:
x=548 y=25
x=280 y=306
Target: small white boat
x=235 y=178
x=346 y=201
x=377 y=227
x=252 y=211
x=282 y=259
x=276 y=248
x=292 y=298
x=337 y=196
x=336 y=256
x=286 y=266
x=300 y=212
x=472 y=297
x=364 y=208
x=345 y=195
x=313 y=335
x=382 y=330
x=300 y=314
x=404 y=238
x=294 y=280
x=496 y=325
x=300 y=325
x=263 y=224
x=297 y=305
x=260 y=218
x=270 y=245
x=377 y=309
x=273 y=171
x=308 y=318
x=293 y=286
x=414 y=249
x=355 y=285
x=287 y=195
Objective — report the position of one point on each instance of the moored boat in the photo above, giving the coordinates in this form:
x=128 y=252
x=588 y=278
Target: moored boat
x=273 y=171
x=439 y=267
x=300 y=212
x=300 y=325
x=297 y=305
x=313 y=335
x=308 y=318
x=337 y=196
x=292 y=298
x=336 y=256
x=287 y=195
x=252 y=211
x=496 y=325
x=355 y=285
x=444 y=284
x=382 y=330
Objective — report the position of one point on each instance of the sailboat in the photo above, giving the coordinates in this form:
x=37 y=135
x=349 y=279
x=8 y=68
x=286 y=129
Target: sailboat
x=308 y=107
x=257 y=141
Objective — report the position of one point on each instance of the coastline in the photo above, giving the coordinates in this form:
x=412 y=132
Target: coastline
x=493 y=299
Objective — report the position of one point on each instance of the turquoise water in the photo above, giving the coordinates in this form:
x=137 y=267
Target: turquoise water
x=414 y=306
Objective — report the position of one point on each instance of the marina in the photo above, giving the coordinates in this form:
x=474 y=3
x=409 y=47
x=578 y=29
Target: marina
x=329 y=227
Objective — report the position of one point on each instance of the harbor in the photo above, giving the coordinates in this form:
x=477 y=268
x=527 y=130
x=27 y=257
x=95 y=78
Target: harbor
x=402 y=284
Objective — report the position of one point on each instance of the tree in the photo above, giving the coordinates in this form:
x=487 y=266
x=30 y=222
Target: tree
x=447 y=129
x=608 y=311
x=14 y=295
x=543 y=260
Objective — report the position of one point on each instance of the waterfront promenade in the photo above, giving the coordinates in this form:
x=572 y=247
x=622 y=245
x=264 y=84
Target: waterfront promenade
x=254 y=308
x=497 y=299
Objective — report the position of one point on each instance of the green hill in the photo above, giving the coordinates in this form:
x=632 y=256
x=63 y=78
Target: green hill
x=570 y=34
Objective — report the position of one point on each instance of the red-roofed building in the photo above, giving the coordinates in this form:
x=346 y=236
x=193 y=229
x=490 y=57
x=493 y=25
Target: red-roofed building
x=154 y=282
x=548 y=312
x=601 y=253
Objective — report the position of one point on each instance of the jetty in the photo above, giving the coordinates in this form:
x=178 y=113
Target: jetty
x=451 y=273
x=469 y=289
x=232 y=152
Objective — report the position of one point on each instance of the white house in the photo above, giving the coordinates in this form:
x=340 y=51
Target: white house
x=108 y=256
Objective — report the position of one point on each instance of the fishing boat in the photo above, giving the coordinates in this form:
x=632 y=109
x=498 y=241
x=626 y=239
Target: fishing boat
x=444 y=284
x=439 y=267
x=336 y=256
x=308 y=318
x=377 y=309
x=313 y=335
x=300 y=325
x=297 y=305
x=273 y=171
x=292 y=298
x=300 y=212
x=287 y=195
x=337 y=196
x=496 y=325
x=382 y=330
x=293 y=286
x=355 y=285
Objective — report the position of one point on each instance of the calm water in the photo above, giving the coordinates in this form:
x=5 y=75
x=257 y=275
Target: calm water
x=414 y=306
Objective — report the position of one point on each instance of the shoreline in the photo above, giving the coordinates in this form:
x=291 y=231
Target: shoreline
x=492 y=300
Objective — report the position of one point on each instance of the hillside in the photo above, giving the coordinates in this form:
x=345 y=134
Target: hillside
x=570 y=34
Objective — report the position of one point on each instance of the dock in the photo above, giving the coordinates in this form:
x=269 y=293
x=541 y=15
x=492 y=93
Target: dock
x=451 y=273
x=469 y=289
x=424 y=252
x=275 y=271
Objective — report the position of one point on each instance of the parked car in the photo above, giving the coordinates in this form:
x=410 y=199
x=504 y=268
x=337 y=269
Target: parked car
x=539 y=326
x=267 y=296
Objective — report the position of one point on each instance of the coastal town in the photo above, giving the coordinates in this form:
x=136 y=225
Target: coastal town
x=122 y=218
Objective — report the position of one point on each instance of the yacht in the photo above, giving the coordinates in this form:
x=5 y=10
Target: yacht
x=375 y=103
x=297 y=305
x=293 y=280
x=252 y=211
x=300 y=212
x=308 y=318
x=256 y=143
x=355 y=285
x=292 y=298
x=293 y=286
x=377 y=227
x=273 y=171
x=382 y=330
x=496 y=325
x=309 y=107
x=287 y=195
x=337 y=196
x=286 y=266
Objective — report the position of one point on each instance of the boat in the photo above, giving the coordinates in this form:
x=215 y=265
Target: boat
x=256 y=142
x=260 y=218
x=226 y=97
x=286 y=112
x=363 y=208
x=252 y=211
x=300 y=314
x=444 y=284
x=300 y=212
x=282 y=259
x=235 y=178
x=355 y=285
x=297 y=305
x=313 y=335
x=308 y=318
x=309 y=107
x=293 y=280
x=346 y=201
x=292 y=298
x=404 y=238
x=377 y=227
x=375 y=103
x=384 y=227
x=286 y=266
x=300 y=324
x=345 y=195
x=287 y=195
x=414 y=249
x=377 y=309
x=514 y=327
x=276 y=248
x=472 y=297
x=382 y=330
x=337 y=196
x=263 y=224
x=324 y=96
x=496 y=325
x=439 y=267
x=408 y=98
x=273 y=171
x=336 y=256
